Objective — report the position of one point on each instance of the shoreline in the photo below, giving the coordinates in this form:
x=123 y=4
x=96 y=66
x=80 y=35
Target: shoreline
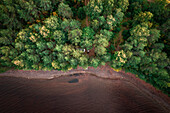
x=105 y=72
x=102 y=71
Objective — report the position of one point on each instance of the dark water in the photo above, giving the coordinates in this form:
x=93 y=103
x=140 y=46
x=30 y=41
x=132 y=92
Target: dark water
x=73 y=94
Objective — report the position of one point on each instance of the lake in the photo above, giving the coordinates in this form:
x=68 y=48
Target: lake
x=80 y=93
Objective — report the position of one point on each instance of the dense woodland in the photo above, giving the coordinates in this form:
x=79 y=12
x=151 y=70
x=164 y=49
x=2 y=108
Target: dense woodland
x=61 y=34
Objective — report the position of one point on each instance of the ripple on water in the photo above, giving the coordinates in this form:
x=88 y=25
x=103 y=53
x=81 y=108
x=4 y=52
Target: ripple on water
x=74 y=94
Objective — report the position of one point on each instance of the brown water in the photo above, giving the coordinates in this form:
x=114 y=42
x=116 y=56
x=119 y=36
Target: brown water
x=73 y=94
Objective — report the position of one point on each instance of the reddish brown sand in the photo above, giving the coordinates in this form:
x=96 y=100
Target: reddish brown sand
x=131 y=93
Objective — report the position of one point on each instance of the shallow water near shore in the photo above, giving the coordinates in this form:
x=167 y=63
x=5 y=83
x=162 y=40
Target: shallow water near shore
x=74 y=94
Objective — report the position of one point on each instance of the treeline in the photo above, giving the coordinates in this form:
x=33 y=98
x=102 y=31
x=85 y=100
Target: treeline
x=62 y=34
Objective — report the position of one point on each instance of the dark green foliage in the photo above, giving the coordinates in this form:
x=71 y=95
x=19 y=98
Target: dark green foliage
x=14 y=14
x=146 y=56
x=123 y=4
x=101 y=20
x=142 y=17
x=67 y=25
x=46 y=5
x=125 y=34
x=95 y=24
x=101 y=42
x=59 y=37
x=159 y=10
x=50 y=45
x=125 y=24
x=94 y=8
x=107 y=33
x=65 y=11
x=165 y=28
x=46 y=59
x=113 y=20
x=94 y=62
x=4 y=69
x=81 y=13
x=108 y=7
x=87 y=38
x=135 y=8
x=117 y=29
x=74 y=36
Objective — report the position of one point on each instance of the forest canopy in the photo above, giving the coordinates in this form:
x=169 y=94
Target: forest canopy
x=62 y=34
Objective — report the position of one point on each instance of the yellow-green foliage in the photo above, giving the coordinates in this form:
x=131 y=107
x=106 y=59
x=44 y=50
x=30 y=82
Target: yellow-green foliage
x=117 y=70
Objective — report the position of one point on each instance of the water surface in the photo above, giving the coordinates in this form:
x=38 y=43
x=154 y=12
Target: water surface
x=74 y=94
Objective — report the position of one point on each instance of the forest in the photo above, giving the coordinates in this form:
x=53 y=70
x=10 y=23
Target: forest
x=132 y=35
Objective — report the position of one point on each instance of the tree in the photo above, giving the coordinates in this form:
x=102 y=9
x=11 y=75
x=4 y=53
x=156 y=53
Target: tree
x=140 y=31
x=87 y=38
x=81 y=13
x=58 y=47
x=112 y=21
x=142 y=17
x=107 y=34
x=77 y=53
x=100 y=50
x=25 y=9
x=67 y=25
x=64 y=10
x=22 y=36
x=73 y=62
x=47 y=59
x=95 y=62
x=165 y=36
x=41 y=45
x=18 y=62
x=146 y=56
x=83 y=61
x=55 y=64
x=135 y=8
x=5 y=50
x=119 y=16
x=95 y=24
x=6 y=37
x=50 y=45
x=67 y=49
x=34 y=58
x=44 y=32
x=119 y=59
x=160 y=10
x=60 y=57
x=101 y=20
x=45 y=5
x=94 y=8
x=123 y=4
x=59 y=37
x=101 y=43
x=52 y=23
x=108 y=6
x=101 y=40
x=134 y=48
x=75 y=36
x=154 y=36
x=74 y=24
